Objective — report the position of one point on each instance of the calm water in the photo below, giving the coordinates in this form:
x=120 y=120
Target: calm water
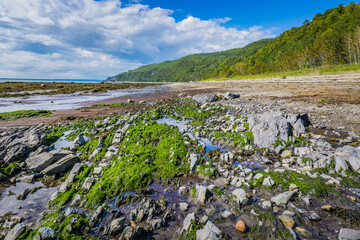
x=50 y=80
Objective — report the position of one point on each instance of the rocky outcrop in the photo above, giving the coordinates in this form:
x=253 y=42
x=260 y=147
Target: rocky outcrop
x=15 y=233
x=39 y=162
x=19 y=143
x=349 y=154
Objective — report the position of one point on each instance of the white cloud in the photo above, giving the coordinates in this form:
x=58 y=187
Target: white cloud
x=96 y=39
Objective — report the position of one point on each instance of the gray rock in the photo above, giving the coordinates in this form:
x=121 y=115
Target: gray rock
x=116 y=226
x=77 y=199
x=227 y=214
x=314 y=216
x=186 y=224
x=283 y=198
x=209 y=232
x=183 y=191
x=349 y=234
x=157 y=223
x=183 y=206
x=47 y=233
x=131 y=233
x=60 y=153
x=74 y=171
x=81 y=139
x=18 y=143
x=350 y=155
x=230 y=95
x=39 y=162
x=202 y=194
x=194 y=160
x=266 y=204
x=340 y=164
x=96 y=216
x=204 y=98
x=61 y=166
x=240 y=195
x=15 y=233
x=69 y=211
x=89 y=181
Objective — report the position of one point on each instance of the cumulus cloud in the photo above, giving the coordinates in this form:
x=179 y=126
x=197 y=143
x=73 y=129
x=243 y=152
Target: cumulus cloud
x=96 y=39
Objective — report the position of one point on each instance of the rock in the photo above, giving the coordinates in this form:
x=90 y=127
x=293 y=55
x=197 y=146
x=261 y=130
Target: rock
x=283 y=198
x=187 y=223
x=210 y=231
x=61 y=166
x=96 y=216
x=15 y=232
x=230 y=95
x=268 y=182
x=97 y=171
x=39 y=162
x=18 y=143
x=349 y=234
x=131 y=233
x=258 y=176
x=74 y=171
x=287 y=220
x=203 y=220
x=69 y=211
x=293 y=187
x=314 y=216
x=350 y=155
x=116 y=226
x=327 y=208
x=194 y=160
x=227 y=214
x=47 y=233
x=241 y=226
x=288 y=213
x=204 y=98
x=60 y=153
x=183 y=191
x=266 y=204
x=81 y=139
x=157 y=223
x=303 y=232
x=89 y=181
x=286 y=154
x=183 y=206
x=240 y=196
x=340 y=164
x=77 y=200
x=202 y=194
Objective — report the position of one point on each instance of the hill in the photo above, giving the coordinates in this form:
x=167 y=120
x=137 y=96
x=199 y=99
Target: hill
x=331 y=38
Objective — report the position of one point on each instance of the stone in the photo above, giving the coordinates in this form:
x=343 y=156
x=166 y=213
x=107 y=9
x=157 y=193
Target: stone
x=210 y=231
x=60 y=153
x=81 y=139
x=47 y=233
x=293 y=187
x=340 y=164
x=327 y=208
x=194 y=161
x=258 y=176
x=96 y=216
x=240 y=196
x=241 y=226
x=74 y=171
x=157 y=223
x=131 y=233
x=283 y=198
x=203 y=220
x=314 y=216
x=230 y=95
x=266 y=204
x=69 y=211
x=287 y=220
x=183 y=206
x=97 y=171
x=61 y=166
x=350 y=155
x=187 y=223
x=227 y=214
x=15 y=232
x=202 y=194
x=286 y=154
x=183 y=191
x=116 y=226
x=77 y=200
x=204 y=98
x=39 y=162
x=268 y=182
x=288 y=213
x=349 y=234
x=303 y=232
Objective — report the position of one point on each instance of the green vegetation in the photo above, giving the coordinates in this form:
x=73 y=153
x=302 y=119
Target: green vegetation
x=11 y=168
x=10 y=116
x=326 y=45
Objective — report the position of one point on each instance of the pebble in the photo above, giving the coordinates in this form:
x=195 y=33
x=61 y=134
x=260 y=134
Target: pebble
x=241 y=226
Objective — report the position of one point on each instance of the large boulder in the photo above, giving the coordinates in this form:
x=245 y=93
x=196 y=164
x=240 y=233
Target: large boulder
x=47 y=233
x=116 y=226
x=61 y=166
x=39 y=162
x=19 y=143
x=283 y=198
x=60 y=153
x=270 y=127
x=15 y=233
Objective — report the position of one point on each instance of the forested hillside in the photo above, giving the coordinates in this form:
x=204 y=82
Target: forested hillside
x=331 y=38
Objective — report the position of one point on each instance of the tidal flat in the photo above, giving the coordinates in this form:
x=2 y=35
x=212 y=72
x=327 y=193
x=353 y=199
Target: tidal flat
x=218 y=165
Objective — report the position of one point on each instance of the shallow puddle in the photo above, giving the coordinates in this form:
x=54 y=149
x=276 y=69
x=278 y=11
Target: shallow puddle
x=63 y=142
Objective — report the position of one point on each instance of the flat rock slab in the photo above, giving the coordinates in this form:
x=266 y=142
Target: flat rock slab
x=283 y=198
x=39 y=162
x=63 y=165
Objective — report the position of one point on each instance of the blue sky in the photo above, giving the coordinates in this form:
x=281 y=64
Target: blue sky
x=100 y=38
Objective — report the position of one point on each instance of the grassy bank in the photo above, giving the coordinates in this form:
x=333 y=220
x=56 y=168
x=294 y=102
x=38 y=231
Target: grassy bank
x=10 y=116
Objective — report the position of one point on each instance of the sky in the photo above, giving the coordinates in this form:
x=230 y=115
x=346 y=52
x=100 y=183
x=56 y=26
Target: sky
x=95 y=39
